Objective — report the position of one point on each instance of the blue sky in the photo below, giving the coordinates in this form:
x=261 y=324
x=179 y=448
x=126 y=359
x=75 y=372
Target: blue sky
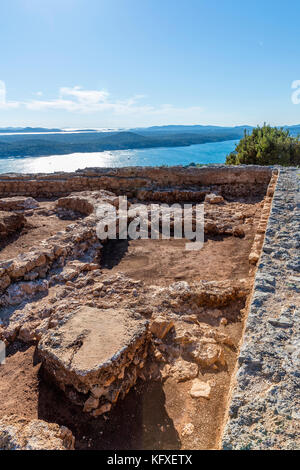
x=124 y=63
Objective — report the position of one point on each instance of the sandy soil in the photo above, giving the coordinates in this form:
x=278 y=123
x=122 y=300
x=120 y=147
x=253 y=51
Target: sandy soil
x=41 y=224
x=163 y=262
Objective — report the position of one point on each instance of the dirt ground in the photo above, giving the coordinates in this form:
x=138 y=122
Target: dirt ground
x=153 y=414
x=134 y=423
x=41 y=224
x=163 y=262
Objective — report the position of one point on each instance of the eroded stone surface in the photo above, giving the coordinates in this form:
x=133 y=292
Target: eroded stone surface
x=96 y=355
x=200 y=389
x=10 y=223
x=18 y=203
x=87 y=202
x=265 y=408
x=17 y=433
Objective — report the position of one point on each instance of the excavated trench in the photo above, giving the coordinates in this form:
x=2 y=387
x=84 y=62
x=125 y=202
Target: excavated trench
x=180 y=399
x=36 y=226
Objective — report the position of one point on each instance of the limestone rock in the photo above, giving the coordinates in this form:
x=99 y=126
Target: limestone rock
x=160 y=326
x=212 y=293
x=200 y=389
x=208 y=353
x=238 y=231
x=253 y=257
x=183 y=370
x=86 y=202
x=18 y=203
x=17 y=433
x=188 y=430
x=17 y=292
x=214 y=199
x=95 y=355
x=10 y=223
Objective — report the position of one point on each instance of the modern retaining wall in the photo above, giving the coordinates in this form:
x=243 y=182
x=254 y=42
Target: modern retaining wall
x=264 y=412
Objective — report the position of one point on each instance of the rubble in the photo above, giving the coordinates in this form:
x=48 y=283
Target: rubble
x=18 y=203
x=10 y=223
x=214 y=199
x=200 y=389
x=95 y=356
x=183 y=370
x=17 y=433
x=160 y=326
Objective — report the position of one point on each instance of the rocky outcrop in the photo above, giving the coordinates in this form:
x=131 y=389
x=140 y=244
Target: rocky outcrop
x=200 y=389
x=95 y=356
x=17 y=433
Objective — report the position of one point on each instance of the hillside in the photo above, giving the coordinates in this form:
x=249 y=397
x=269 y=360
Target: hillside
x=53 y=143
x=58 y=144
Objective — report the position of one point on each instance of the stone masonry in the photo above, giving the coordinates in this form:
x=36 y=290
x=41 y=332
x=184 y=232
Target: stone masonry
x=96 y=355
x=264 y=412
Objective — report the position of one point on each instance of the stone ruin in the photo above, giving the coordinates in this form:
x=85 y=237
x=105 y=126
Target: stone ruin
x=95 y=356
x=17 y=433
x=98 y=335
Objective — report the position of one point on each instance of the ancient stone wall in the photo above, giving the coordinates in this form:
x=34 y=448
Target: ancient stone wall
x=33 y=266
x=229 y=181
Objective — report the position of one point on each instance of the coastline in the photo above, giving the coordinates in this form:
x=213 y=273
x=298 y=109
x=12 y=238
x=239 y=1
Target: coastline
x=208 y=153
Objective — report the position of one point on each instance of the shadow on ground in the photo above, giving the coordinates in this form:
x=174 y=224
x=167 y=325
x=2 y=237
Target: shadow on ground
x=113 y=252
x=140 y=421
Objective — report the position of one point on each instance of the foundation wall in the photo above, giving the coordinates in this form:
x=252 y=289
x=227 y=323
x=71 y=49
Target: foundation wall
x=234 y=181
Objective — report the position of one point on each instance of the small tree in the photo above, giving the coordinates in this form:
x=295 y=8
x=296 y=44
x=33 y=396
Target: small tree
x=266 y=146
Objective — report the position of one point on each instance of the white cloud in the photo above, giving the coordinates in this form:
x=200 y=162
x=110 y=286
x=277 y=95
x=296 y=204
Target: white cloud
x=85 y=97
x=73 y=99
x=2 y=92
x=3 y=103
x=78 y=100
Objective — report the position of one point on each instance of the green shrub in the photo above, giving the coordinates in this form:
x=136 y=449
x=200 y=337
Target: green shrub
x=266 y=146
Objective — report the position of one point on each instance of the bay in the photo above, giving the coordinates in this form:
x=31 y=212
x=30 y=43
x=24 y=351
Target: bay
x=209 y=153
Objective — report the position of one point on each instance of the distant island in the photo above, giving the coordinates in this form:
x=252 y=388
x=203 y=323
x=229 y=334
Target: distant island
x=26 y=130
x=29 y=141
